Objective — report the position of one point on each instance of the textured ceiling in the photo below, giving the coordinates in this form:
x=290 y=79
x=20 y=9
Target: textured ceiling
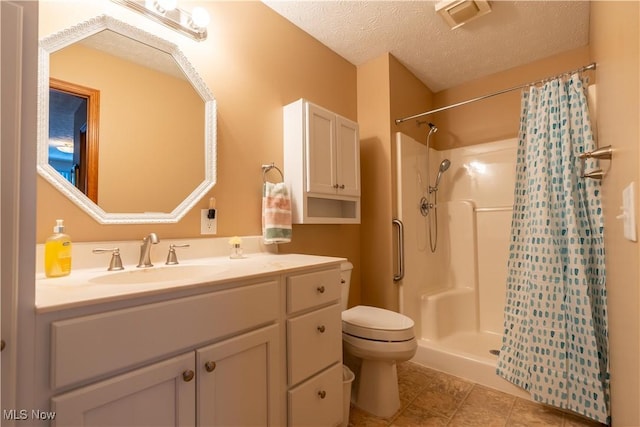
x=513 y=34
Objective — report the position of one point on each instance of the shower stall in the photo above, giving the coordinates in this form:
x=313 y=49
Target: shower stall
x=455 y=294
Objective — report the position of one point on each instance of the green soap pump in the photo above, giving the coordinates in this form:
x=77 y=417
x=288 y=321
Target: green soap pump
x=57 y=252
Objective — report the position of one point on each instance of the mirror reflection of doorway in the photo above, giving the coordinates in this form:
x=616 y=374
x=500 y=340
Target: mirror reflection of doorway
x=73 y=134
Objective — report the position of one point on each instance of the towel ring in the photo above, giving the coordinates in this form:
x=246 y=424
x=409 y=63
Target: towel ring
x=267 y=168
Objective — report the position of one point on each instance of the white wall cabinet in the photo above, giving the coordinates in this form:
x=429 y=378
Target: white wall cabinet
x=322 y=164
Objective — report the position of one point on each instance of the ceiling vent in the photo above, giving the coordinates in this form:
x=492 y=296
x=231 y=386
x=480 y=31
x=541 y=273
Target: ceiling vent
x=458 y=12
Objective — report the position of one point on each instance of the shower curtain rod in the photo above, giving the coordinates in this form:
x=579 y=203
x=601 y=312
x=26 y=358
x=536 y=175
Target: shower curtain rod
x=591 y=66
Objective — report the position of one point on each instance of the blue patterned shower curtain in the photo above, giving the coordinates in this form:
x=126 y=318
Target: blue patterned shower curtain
x=555 y=342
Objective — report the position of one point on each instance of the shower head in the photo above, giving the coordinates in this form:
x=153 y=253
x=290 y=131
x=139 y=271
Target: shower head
x=432 y=129
x=444 y=165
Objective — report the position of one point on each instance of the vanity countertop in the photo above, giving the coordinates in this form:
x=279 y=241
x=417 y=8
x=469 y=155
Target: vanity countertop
x=80 y=287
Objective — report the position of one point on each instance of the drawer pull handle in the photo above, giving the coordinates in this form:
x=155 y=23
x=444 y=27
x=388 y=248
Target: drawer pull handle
x=320 y=289
x=322 y=394
x=321 y=329
x=210 y=366
x=188 y=375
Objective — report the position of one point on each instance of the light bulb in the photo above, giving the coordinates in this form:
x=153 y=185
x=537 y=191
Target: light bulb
x=200 y=17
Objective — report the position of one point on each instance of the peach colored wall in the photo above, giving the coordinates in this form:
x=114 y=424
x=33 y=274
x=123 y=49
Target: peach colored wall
x=494 y=118
x=375 y=242
x=254 y=62
x=386 y=90
x=135 y=121
x=614 y=43
x=409 y=96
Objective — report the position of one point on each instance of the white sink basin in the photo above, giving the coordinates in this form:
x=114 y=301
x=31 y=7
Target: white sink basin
x=173 y=273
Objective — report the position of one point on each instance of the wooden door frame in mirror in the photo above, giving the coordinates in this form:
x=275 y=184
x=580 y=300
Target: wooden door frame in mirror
x=93 y=125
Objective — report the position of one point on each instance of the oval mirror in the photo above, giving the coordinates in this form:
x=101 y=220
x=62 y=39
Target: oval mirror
x=126 y=126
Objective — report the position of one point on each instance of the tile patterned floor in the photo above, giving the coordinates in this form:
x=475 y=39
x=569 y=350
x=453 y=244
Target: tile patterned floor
x=432 y=398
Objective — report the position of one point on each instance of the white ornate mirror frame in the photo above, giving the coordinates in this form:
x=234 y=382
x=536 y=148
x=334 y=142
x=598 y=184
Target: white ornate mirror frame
x=85 y=29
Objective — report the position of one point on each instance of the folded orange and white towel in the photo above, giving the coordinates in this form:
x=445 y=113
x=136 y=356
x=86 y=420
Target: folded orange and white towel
x=276 y=213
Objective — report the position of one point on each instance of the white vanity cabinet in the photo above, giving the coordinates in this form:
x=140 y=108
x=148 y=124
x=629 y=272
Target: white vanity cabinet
x=253 y=350
x=162 y=394
x=314 y=349
x=233 y=381
x=237 y=381
x=322 y=164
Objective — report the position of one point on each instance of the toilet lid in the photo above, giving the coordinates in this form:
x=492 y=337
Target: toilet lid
x=377 y=324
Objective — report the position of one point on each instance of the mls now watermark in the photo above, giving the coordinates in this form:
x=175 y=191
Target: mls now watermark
x=25 y=414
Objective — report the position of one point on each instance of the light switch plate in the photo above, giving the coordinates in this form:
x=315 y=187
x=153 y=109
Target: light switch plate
x=208 y=226
x=629 y=212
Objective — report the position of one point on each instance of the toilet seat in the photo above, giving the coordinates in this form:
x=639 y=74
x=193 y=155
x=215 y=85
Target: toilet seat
x=377 y=324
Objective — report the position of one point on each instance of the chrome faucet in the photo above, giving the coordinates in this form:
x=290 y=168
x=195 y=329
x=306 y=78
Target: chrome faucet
x=145 y=250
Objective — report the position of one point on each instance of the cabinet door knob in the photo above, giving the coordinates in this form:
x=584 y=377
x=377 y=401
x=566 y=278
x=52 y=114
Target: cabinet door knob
x=210 y=366
x=342 y=187
x=321 y=329
x=2 y=344
x=188 y=375
x=320 y=289
x=322 y=394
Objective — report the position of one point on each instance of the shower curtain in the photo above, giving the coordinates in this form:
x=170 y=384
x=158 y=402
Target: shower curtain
x=555 y=341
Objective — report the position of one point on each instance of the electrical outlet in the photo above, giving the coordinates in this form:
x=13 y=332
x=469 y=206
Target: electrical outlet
x=207 y=225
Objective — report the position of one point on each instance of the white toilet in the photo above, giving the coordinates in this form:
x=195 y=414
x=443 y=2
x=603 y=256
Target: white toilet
x=374 y=340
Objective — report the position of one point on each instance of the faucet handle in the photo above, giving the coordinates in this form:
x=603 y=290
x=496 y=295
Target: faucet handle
x=172 y=259
x=116 y=262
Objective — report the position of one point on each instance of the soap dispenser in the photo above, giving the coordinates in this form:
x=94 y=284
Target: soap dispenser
x=57 y=252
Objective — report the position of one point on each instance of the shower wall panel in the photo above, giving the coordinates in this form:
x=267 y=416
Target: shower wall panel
x=475 y=198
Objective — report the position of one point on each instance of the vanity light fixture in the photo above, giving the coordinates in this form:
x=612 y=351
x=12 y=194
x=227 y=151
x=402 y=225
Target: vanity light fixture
x=167 y=12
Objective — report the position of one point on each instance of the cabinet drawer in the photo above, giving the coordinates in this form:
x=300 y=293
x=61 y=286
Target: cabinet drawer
x=318 y=401
x=312 y=289
x=90 y=346
x=314 y=342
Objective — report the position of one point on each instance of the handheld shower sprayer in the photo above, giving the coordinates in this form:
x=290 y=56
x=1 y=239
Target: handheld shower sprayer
x=444 y=165
x=430 y=201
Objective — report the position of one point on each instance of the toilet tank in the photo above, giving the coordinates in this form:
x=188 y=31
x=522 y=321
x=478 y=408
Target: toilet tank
x=345 y=275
